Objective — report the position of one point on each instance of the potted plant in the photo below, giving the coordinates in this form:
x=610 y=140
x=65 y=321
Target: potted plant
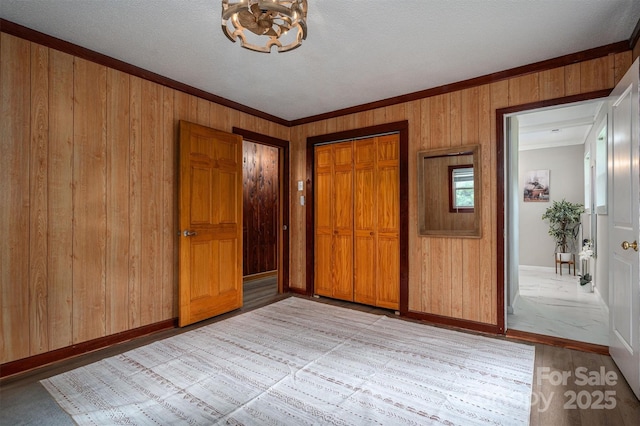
x=585 y=276
x=564 y=223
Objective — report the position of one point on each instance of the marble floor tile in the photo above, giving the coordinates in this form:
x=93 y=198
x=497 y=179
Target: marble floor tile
x=553 y=305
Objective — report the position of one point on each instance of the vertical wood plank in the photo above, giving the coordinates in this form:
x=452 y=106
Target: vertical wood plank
x=523 y=89
x=60 y=183
x=458 y=262
x=169 y=207
x=425 y=243
x=219 y=117
x=117 y=248
x=89 y=201
x=38 y=228
x=14 y=218
x=204 y=112
x=186 y=107
x=551 y=83
x=439 y=121
x=151 y=186
x=440 y=276
x=572 y=79
x=622 y=62
x=485 y=262
x=455 y=120
x=469 y=117
x=414 y=115
x=597 y=74
x=135 y=202
x=472 y=121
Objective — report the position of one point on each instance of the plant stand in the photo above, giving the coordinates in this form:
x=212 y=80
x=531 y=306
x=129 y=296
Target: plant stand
x=569 y=262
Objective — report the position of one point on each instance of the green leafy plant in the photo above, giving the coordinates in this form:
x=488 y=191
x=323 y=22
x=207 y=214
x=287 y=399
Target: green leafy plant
x=564 y=223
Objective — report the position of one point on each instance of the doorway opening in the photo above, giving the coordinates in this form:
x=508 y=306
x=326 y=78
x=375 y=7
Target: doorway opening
x=265 y=216
x=549 y=156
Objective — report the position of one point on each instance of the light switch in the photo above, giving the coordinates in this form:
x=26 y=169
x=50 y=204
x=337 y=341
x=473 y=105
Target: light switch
x=302 y=200
x=300 y=185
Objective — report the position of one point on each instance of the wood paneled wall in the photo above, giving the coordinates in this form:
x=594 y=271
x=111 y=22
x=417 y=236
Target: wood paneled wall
x=88 y=183
x=88 y=188
x=260 y=208
x=454 y=277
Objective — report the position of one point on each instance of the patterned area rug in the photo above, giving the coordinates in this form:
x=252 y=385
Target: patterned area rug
x=301 y=362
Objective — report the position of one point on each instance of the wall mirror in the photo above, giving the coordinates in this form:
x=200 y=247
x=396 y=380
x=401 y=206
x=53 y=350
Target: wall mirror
x=449 y=192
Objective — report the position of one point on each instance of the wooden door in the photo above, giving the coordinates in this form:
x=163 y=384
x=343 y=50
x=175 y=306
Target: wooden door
x=357 y=229
x=334 y=221
x=210 y=217
x=624 y=304
x=365 y=221
x=343 y=220
x=388 y=221
x=324 y=221
x=377 y=222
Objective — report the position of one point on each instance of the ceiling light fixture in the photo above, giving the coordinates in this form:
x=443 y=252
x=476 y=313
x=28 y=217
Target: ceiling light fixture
x=260 y=25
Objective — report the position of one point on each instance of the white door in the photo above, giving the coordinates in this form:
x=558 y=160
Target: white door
x=624 y=299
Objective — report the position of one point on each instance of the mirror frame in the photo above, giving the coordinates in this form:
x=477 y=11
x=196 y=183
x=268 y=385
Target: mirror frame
x=423 y=157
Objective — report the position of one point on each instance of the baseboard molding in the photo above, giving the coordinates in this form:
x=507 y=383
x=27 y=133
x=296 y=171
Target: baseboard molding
x=36 y=361
x=604 y=305
x=536 y=268
x=301 y=291
x=461 y=324
x=557 y=341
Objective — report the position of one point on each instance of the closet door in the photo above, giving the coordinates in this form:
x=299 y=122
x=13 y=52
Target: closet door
x=324 y=220
x=388 y=221
x=334 y=221
x=377 y=222
x=357 y=211
x=365 y=220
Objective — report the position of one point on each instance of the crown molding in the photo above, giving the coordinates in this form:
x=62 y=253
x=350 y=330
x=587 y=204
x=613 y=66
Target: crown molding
x=90 y=55
x=79 y=51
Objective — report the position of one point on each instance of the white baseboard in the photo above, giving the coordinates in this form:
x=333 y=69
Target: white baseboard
x=604 y=305
x=536 y=268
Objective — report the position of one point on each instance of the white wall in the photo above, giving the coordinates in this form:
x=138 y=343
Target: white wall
x=566 y=181
x=599 y=265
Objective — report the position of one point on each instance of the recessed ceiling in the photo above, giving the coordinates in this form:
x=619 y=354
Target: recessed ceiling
x=356 y=52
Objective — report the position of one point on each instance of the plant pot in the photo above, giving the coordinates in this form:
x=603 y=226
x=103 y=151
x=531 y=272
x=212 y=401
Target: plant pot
x=564 y=257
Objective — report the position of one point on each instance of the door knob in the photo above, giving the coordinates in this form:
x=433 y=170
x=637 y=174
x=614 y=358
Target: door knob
x=188 y=233
x=626 y=245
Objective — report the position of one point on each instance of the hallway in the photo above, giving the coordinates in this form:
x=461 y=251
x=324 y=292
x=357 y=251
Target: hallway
x=552 y=304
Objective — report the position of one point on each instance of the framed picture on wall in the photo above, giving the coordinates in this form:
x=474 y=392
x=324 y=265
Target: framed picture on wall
x=536 y=186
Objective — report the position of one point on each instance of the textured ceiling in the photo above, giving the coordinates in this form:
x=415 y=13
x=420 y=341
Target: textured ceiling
x=356 y=51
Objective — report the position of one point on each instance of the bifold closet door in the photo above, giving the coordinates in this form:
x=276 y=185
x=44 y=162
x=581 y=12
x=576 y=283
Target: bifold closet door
x=377 y=222
x=357 y=221
x=334 y=221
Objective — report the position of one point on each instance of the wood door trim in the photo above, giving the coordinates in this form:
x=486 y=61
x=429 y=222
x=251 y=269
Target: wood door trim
x=283 y=172
x=500 y=187
x=402 y=128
